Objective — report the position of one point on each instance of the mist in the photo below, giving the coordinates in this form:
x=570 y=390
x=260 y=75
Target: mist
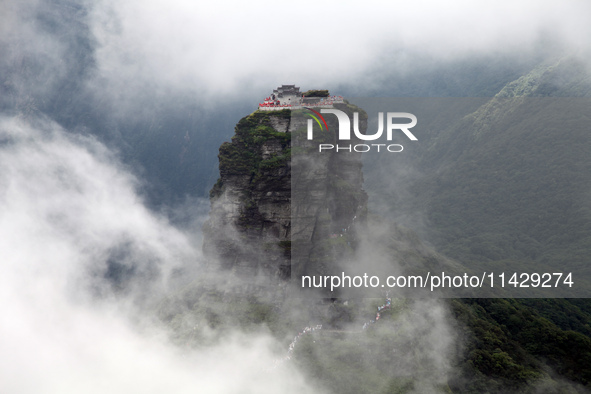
x=134 y=56
x=69 y=213
x=227 y=50
x=88 y=254
x=86 y=267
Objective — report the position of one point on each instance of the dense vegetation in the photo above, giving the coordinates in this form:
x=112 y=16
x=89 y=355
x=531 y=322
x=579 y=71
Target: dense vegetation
x=242 y=156
x=315 y=93
x=510 y=345
x=507 y=186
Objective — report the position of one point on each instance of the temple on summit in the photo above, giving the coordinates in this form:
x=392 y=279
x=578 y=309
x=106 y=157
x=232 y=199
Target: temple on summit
x=285 y=93
x=290 y=97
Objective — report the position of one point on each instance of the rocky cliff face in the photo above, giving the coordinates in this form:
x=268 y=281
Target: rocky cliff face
x=280 y=207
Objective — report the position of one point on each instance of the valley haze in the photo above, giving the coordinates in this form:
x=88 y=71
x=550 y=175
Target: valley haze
x=112 y=115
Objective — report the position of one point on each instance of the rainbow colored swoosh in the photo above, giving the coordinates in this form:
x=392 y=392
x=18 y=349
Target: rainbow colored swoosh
x=316 y=119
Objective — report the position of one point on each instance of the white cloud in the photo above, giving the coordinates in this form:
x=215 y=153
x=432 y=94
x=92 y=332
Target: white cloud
x=66 y=208
x=216 y=48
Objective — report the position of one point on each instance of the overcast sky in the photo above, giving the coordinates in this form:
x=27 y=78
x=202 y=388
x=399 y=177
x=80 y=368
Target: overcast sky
x=220 y=47
x=155 y=49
